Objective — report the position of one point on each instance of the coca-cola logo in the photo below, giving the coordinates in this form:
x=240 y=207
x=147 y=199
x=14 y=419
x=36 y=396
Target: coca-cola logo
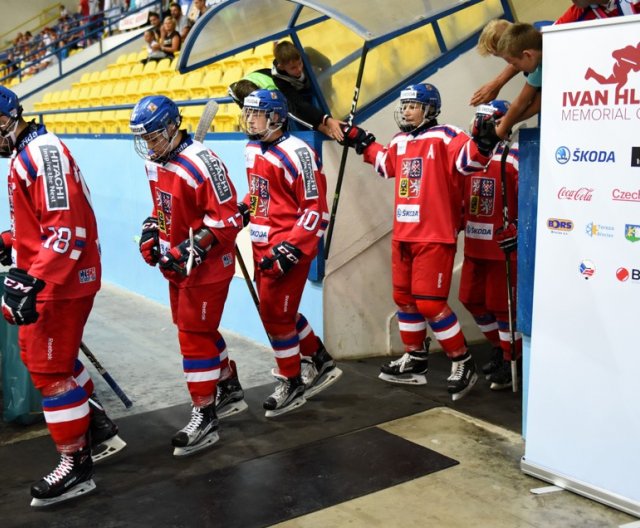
x=583 y=194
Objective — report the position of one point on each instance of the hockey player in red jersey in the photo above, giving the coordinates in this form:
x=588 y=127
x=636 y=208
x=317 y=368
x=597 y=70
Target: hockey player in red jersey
x=594 y=9
x=191 y=235
x=483 y=283
x=288 y=216
x=427 y=161
x=49 y=291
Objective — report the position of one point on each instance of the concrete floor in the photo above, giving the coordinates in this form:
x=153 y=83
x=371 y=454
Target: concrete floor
x=137 y=343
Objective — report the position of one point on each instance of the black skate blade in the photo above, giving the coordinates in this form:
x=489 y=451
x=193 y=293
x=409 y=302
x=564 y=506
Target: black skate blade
x=406 y=379
x=206 y=442
x=107 y=449
x=329 y=378
x=500 y=386
x=295 y=404
x=459 y=395
x=79 y=489
x=232 y=408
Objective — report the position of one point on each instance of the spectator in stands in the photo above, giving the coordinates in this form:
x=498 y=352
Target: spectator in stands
x=154 y=53
x=170 y=41
x=183 y=24
x=521 y=46
x=156 y=24
x=198 y=7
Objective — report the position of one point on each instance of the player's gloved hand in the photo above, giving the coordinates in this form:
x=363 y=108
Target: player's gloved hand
x=6 y=241
x=19 y=299
x=150 y=241
x=177 y=257
x=508 y=238
x=484 y=134
x=357 y=138
x=243 y=209
x=285 y=256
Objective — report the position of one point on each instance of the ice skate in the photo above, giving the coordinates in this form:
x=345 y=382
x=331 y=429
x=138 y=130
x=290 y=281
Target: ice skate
x=501 y=378
x=463 y=377
x=318 y=372
x=105 y=441
x=200 y=433
x=410 y=369
x=71 y=478
x=229 y=395
x=494 y=363
x=289 y=395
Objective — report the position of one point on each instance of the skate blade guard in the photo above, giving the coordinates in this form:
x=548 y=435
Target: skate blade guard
x=207 y=441
x=328 y=379
x=404 y=379
x=79 y=489
x=108 y=448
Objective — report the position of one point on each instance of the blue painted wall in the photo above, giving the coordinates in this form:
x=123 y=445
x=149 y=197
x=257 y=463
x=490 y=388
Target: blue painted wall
x=122 y=200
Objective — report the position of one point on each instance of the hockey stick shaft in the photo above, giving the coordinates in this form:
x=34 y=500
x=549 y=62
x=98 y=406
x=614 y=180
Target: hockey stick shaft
x=247 y=278
x=343 y=159
x=107 y=377
x=204 y=124
x=505 y=224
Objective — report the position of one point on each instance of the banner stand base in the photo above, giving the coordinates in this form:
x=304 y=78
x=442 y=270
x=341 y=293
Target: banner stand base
x=586 y=490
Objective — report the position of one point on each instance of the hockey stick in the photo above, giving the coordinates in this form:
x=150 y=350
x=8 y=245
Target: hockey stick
x=107 y=377
x=247 y=279
x=343 y=160
x=505 y=224
x=208 y=114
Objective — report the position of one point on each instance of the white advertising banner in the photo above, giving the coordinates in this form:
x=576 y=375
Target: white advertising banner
x=583 y=423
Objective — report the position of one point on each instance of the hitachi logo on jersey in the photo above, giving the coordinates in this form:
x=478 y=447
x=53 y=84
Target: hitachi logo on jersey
x=55 y=182
x=479 y=231
x=408 y=213
x=259 y=233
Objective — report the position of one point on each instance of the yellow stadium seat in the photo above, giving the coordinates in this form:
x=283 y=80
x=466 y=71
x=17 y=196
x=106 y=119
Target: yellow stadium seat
x=58 y=99
x=95 y=122
x=68 y=123
x=149 y=69
x=94 y=96
x=44 y=103
x=53 y=122
x=141 y=55
x=109 y=124
x=163 y=67
x=122 y=121
x=72 y=99
x=118 y=93
x=120 y=73
x=82 y=122
x=175 y=87
x=83 y=97
x=105 y=94
x=137 y=70
x=94 y=78
x=191 y=117
x=226 y=119
x=130 y=92
x=132 y=58
x=122 y=59
x=84 y=79
x=161 y=85
x=104 y=76
x=205 y=88
x=191 y=82
x=145 y=87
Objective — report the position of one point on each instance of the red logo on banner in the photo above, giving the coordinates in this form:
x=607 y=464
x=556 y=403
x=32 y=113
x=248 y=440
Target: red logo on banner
x=626 y=59
x=583 y=194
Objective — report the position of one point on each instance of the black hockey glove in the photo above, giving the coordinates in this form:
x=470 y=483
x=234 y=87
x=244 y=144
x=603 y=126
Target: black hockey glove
x=285 y=256
x=484 y=133
x=243 y=209
x=6 y=241
x=150 y=241
x=19 y=299
x=357 y=138
x=177 y=258
x=508 y=238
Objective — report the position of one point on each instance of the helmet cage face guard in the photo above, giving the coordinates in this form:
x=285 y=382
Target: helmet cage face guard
x=273 y=121
x=411 y=97
x=161 y=141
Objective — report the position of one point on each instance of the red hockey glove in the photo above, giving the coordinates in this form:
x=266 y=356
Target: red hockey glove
x=177 y=257
x=285 y=256
x=150 y=241
x=6 y=241
x=19 y=299
x=243 y=209
x=357 y=138
x=508 y=238
x=484 y=133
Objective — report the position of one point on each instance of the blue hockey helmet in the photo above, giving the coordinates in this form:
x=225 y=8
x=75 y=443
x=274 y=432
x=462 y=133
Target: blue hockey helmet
x=271 y=103
x=10 y=110
x=154 y=123
x=424 y=94
x=496 y=108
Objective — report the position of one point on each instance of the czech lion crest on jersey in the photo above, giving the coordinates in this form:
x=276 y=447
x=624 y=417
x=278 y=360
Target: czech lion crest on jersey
x=411 y=177
x=259 y=205
x=483 y=196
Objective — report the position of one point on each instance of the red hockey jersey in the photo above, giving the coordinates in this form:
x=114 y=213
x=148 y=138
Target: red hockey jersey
x=613 y=8
x=53 y=223
x=483 y=206
x=428 y=169
x=287 y=196
x=191 y=190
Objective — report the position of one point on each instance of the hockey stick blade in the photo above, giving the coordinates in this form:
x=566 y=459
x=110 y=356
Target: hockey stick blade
x=208 y=114
x=107 y=377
